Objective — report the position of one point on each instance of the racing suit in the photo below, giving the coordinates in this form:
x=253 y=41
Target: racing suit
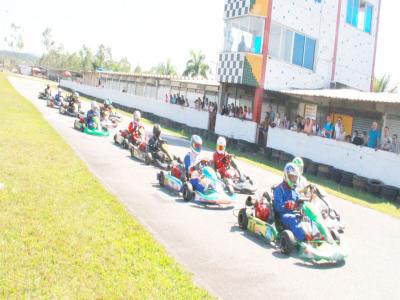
x=285 y=200
x=137 y=133
x=301 y=185
x=89 y=119
x=193 y=173
x=57 y=99
x=155 y=145
x=222 y=164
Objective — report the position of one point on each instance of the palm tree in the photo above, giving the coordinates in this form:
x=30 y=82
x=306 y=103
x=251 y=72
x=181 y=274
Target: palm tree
x=382 y=85
x=196 y=66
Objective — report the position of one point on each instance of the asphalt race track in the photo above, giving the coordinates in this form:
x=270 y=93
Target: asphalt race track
x=229 y=263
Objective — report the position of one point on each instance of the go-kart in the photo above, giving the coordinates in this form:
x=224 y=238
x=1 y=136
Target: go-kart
x=123 y=138
x=81 y=125
x=260 y=218
x=215 y=191
x=69 y=108
x=109 y=120
x=52 y=103
x=231 y=176
x=162 y=159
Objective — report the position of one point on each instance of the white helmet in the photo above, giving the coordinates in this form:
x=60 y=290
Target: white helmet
x=137 y=116
x=290 y=171
x=196 y=144
x=93 y=105
x=298 y=161
x=221 y=145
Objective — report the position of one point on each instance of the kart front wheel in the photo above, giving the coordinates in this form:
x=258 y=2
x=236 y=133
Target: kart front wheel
x=161 y=178
x=336 y=236
x=288 y=242
x=148 y=158
x=230 y=189
x=243 y=220
x=187 y=192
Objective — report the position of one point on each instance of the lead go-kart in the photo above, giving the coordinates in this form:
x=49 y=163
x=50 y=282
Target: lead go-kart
x=326 y=246
x=81 y=125
x=216 y=193
x=241 y=183
x=162 y=159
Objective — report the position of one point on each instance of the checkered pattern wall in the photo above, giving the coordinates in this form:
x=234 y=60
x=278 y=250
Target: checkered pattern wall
x=238 y=8
x=230 y=67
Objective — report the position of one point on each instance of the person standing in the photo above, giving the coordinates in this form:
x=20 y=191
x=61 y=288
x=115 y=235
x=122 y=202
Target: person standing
x=374 y=136
x=386 y=139
x=328 y=127
x=395 y=145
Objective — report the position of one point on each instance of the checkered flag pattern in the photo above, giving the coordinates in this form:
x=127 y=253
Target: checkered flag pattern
x=230 y=67
x=236 y=8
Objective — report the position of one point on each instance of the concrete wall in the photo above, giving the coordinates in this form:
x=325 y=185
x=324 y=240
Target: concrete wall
x=355 y=53
x=362 y=161
x=177 y=113
x=236 y=128
x=316 y=20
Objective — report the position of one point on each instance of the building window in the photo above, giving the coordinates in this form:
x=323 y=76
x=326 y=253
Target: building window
x=359 y=14
x=292 y=47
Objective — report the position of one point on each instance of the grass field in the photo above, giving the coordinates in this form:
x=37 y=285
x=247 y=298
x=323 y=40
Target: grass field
x=62 y=235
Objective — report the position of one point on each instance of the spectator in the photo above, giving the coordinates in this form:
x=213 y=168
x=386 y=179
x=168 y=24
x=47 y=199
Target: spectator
x=328 y=128
x=286 y=122
x=358 y=139
x=299 y=123
x=240 y=112
x=347 y=139
x=277 y=120
x=341 y=135
x=249 y=114
x=395 y=145
x=187 y=102
x=338 y=129
x=223 y=112
x=244 y=115
x=232 y=111
x=242 y=45
x=374 y=136
x=386 y=139
x=315 y=127
x=308 y=126
x=166 y=98
x=271 y=114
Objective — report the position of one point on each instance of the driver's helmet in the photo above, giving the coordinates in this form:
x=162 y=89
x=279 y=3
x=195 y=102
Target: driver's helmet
x=59 y=92
x=291 y=174
x=221 y=145
x=108 y=102
x=94 y=106
x=298 y=161
x=136 y=117
x=157 y=130
x=196 y=144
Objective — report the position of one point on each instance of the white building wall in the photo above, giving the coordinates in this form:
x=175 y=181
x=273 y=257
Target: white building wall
x=316 y=20
x=356 y=50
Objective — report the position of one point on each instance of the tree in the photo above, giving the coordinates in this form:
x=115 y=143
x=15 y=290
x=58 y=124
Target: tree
x=122 y=66
x=15 y=40
x=196 y=66
x=383 y=85
x=100 y=57
x=86 y=57
x=48 y=41
x=137 y=70
x=164 y=68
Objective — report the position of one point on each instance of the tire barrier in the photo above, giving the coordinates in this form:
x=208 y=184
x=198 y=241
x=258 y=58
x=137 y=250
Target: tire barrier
x=275 y=155
x=374 y=186
x=285 y=157
x=324 y=171
x=360 y=183
x=312 y=168
x=389 y=192
x=336 y=175
x=347 y=179
x=267 y=153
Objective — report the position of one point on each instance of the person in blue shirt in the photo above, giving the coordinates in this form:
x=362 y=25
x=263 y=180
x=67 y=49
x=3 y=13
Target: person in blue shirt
x=92 y=116
x=328 y=127
x=374 y=136
x=58 y=98
x=286 y=200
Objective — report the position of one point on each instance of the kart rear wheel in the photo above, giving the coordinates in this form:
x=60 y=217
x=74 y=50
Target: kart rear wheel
x=336 y=236
x=230 y=189
x=161 y=178
x=187 y=192
x=243 y=220
x=288 y=242
x=148 y=158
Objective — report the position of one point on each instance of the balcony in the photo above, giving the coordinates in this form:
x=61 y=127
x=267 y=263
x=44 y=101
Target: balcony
x=240 y=8
x=240 y=68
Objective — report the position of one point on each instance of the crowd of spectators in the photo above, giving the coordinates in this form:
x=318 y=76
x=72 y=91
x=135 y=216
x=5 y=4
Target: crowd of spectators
x=177 y=99
x=337 y=131
x=241 y=112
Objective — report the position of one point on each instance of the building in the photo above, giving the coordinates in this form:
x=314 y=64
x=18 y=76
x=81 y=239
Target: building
x=280 y=45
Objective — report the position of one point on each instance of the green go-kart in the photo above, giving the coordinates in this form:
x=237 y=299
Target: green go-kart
x=81 y=125
x=259 y=218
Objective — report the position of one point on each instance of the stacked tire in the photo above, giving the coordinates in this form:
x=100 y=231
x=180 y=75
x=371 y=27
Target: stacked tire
x=324 y=171
x=312 y=168
x=347 y=179
x=285 y=157
x=374 y=186
x=360 y=183
x=275 y=155
x=389 y=192
x=267 y=153
x=336 y=175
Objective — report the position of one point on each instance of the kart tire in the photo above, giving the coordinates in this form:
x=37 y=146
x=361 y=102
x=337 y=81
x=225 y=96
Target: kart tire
x=115 y=139
x=125 y=144
x=230 y=189
x=148 y=159
x=187 y=192
x=288 y=242
x=243 y=220
x=161 y=178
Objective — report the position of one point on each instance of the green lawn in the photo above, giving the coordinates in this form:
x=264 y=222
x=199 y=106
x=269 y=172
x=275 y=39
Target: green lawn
x=62 y=235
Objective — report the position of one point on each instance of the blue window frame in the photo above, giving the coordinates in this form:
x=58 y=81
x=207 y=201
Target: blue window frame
x=303 y=51
x=359 y=14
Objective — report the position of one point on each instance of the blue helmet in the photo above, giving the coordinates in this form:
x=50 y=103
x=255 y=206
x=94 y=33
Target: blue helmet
x=196 y=144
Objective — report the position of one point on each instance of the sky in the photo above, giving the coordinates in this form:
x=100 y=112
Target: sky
x=149 y=32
